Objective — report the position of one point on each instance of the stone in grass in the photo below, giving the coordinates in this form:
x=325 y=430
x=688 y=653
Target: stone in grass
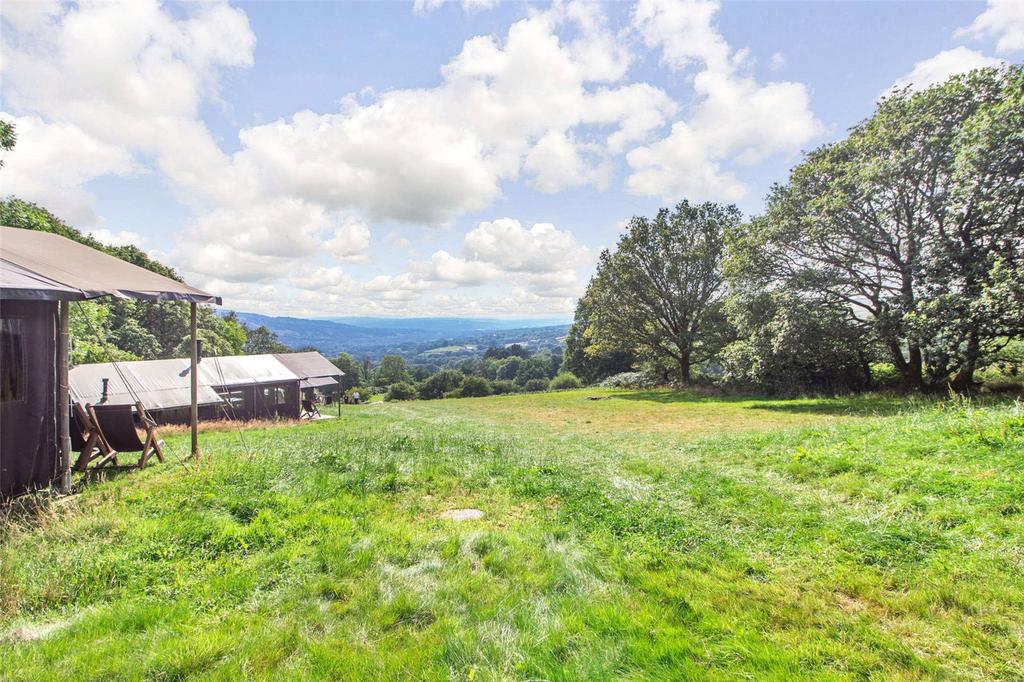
x=462 y=514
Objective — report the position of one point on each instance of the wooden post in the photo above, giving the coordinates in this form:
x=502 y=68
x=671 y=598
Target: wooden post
x=63 y=401
x=194 y=417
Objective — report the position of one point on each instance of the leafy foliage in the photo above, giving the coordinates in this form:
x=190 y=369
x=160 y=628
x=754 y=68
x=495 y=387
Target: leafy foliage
x=565 y=381
x=392 y=370
x=401 y=390
x=659 y=294
x=906 y=223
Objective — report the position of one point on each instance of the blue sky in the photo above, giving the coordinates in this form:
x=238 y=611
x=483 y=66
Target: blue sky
x=456 y=158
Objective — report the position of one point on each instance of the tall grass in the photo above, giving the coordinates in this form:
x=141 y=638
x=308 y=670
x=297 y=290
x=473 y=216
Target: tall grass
x=851 y=542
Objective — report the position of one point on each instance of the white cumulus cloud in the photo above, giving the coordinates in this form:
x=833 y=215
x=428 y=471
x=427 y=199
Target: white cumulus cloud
x=942 y=66
x=1002 y=20
x=735 y=118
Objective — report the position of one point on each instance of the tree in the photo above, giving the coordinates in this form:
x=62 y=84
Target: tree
x=589 y=362
x=531 y=368
x=904 y=222
x=353 y=373
x=659 y=294
x=513 y=350
x=475 y=387
x=8 y=138
x=262 y=340
x=435 y=386
x=509 y=367
x=789 y=345
x=401 y=390
x=392 y=369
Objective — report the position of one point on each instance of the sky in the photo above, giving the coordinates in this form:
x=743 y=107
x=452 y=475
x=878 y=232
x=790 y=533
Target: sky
x=467 y=158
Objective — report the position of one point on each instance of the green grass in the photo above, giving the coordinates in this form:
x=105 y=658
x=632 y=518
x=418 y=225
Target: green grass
x=647 y=535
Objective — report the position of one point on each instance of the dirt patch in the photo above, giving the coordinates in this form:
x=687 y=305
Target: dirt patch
x=462 y=514
x=33 y=633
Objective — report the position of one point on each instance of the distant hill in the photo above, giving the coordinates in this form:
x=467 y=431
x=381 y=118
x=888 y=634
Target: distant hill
x=410 y=337
x=448 y=325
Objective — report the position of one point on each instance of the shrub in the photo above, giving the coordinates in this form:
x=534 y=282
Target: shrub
x=536 y=385
x=363 y=391
x=565 y=381
x=401 y=390
x=500 y=386
x=530 y=369
x=445 y=381
x=885 y=375
x=630 y=380
x=475 y=387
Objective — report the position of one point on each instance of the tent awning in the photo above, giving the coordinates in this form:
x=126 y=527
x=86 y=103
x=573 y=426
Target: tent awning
x=319 y=382
x=46 y=266
x=309 y=365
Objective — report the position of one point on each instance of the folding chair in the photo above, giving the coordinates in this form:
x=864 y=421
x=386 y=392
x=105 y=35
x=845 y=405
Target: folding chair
x=119 y=426
x=89 y=439
x=309 y=409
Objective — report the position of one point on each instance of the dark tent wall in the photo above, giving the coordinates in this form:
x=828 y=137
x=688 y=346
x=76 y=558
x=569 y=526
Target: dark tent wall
x=28 y=395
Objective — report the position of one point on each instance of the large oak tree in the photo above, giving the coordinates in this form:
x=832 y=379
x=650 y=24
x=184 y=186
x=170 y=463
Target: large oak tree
x=907 y=223
x=659 y=294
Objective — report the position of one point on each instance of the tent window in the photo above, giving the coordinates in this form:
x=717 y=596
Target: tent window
x=12 y=361
x=235 y=400
x=274 y=396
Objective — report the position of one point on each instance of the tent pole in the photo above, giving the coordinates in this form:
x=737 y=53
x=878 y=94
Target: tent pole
x=194 y=417
x=63 y=400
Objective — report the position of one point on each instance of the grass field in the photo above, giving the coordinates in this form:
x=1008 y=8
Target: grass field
x=645 y=535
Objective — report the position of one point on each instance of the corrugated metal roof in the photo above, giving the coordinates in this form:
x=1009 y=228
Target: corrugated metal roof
x=91 y=273
x=159 y=384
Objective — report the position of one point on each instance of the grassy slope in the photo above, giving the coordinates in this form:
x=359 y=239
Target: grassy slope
x=648 y=535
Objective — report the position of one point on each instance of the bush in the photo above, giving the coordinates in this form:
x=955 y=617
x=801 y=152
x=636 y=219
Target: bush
x=501 y=386
x=475 y=387
x=536 y=385
x=565 y=381
x=401 y=390
x=363 y=391
x=630 y=380
x=436 y=386
x=885 y=375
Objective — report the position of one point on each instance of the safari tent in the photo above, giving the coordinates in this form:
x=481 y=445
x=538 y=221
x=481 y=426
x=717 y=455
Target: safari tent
x=315 y=372
x=238 y=387
x=41 y=275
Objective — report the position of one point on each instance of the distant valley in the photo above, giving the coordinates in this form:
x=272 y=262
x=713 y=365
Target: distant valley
x=422 y=340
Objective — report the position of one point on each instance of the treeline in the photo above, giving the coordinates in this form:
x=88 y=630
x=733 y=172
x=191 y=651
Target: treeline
x=509 y=369
x=110 y=329
x=895 y=255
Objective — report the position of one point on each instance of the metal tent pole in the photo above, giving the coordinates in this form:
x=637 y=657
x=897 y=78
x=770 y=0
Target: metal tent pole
x=63 y=400
x=194 y=418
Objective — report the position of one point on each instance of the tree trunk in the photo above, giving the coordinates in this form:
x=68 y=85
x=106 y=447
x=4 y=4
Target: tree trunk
x=964 y=379
x=908 y=367
x=684 y=368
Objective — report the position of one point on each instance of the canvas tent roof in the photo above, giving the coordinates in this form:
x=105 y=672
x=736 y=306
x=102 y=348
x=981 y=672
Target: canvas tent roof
x=164 y=384
x=159 y=384
x=243 y=370
x=18 y=283
x=313 y=369
x=44 y=266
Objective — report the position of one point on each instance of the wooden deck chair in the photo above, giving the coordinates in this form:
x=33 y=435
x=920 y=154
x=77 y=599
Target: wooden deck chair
x=88 y=438
x=309 y=409
x=118 y=425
